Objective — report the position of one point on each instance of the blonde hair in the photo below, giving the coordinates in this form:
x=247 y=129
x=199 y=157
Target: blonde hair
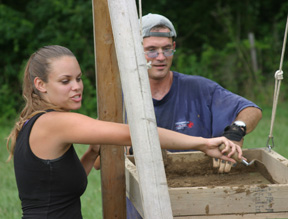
x=38 y=65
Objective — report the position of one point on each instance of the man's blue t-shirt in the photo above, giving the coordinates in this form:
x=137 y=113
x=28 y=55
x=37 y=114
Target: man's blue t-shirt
x=197 y=106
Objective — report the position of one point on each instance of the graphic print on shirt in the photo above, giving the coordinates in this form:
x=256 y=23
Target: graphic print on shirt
x=184 y=124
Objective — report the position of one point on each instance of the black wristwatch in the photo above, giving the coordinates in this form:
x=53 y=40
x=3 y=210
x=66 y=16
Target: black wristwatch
x=236 y=131
x=240 y=124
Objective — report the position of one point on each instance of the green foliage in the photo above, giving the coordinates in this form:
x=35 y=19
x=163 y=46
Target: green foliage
x=212 y=41
x=26 y=27
x=7 y=104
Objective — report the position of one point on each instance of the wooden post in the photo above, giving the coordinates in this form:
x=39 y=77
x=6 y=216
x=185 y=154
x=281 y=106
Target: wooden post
x=109 y=100
x=139 y=107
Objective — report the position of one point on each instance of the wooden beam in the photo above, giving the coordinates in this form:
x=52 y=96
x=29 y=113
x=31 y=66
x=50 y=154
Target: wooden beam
x=139 y=107
x=109 y=101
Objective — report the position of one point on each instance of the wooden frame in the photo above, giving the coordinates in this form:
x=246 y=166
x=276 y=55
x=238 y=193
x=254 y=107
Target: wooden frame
x=154 y=195
x=248 y=201
x=118 y=45
x=109 y=99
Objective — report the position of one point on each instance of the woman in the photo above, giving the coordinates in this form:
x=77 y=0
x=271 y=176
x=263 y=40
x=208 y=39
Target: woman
x=50 y=178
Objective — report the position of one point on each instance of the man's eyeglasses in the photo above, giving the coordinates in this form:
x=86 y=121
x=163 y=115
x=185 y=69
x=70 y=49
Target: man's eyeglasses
x=155 y=53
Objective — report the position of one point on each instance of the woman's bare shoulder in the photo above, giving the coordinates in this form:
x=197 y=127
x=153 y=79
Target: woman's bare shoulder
x=54 y=121
x=56 y=117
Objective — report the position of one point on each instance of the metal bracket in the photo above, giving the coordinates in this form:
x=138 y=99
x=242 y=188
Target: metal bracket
x=268 y=145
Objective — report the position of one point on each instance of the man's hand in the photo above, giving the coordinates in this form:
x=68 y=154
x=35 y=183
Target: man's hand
x=224 y=166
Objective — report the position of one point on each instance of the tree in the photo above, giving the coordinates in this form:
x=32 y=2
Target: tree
x=212 y=41
x=27 y=27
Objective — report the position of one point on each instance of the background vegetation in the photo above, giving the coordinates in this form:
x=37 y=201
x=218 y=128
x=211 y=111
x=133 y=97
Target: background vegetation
x=212 y=41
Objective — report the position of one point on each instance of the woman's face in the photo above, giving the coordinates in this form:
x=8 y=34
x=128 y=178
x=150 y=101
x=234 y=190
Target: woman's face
x=64 y=87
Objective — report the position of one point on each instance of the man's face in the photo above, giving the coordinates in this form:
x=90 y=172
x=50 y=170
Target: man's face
x=160 y=64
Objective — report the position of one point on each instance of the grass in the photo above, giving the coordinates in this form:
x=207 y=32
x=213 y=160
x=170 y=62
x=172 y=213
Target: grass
x=91 y=200
x=258 y=138
x=10 y=207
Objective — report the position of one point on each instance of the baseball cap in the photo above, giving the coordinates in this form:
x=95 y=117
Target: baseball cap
x=151 y=20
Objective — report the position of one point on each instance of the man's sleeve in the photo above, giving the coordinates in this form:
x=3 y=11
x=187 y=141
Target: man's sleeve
x=225 y=107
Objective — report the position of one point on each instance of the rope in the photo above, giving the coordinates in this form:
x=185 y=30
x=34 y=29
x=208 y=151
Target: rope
x=148 y=65
x=278 y=77
x=140 y=16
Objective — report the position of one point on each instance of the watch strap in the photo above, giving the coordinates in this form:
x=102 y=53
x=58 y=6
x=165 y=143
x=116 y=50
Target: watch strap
x=234 y=132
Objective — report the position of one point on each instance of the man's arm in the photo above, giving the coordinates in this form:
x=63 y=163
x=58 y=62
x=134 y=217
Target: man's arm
x=251 y=116
x=244 y=123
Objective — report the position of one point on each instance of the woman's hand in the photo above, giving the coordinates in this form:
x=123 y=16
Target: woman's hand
x=89 y=157
x=95 y=149
x=212 y=149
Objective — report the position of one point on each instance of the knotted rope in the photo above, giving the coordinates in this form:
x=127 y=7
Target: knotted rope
x=278 y=77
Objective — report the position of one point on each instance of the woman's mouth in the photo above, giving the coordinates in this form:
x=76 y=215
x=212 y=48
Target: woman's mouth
x=77 y=98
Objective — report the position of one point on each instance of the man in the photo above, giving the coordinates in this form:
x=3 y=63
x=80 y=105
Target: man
x=191 y=104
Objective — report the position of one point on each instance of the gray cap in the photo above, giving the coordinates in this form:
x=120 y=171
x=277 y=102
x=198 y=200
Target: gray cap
x=151 y=20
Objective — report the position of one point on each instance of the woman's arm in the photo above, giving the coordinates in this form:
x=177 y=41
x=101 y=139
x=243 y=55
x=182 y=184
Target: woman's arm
x=174 y=140
x=70 y=128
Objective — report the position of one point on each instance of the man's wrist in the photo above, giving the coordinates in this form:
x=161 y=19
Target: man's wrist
x=240 y=124
x=236 y=131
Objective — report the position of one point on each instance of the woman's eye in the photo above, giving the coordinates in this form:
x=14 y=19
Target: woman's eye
x=65 y=82
x=79 y=79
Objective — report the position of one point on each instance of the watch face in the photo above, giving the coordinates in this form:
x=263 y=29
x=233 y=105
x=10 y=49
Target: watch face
x=240 y=123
